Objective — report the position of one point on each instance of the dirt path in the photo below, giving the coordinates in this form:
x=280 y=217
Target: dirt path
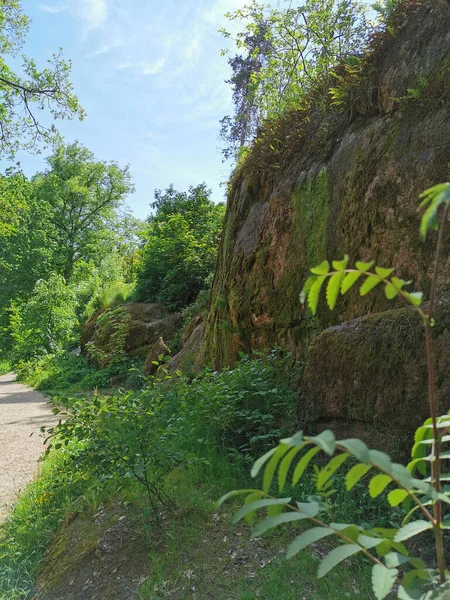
x=23 y=411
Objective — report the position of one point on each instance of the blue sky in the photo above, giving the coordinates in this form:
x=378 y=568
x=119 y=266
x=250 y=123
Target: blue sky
x=150 y=76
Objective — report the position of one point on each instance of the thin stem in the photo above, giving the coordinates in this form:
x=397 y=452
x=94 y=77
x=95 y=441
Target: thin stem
x=436 y=465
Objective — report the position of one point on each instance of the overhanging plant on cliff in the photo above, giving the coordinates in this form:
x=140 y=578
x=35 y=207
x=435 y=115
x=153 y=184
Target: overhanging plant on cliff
x=421 y=486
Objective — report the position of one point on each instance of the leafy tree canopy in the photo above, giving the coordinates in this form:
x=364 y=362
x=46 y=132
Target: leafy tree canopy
x=21 y=95
x=78 y=198
x=181 y=246
x=283 y=54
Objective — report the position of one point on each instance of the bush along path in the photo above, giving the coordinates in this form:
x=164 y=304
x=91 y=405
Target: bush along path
x=23 y=412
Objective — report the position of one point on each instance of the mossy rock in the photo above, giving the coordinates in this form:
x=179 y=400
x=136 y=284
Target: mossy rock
x=101 y=556
x=143 y=325
x=368 y=378
x=345 y=183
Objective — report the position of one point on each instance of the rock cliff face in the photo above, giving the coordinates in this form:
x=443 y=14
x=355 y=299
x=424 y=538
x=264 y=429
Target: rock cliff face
x=346 y=181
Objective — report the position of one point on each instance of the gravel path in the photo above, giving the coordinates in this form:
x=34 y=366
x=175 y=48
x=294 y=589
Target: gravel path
x=23 y=411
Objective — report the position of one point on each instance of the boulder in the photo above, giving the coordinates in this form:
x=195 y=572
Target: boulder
x=137 y=324
x=367 y=378
x=157 y=350
x=190 y=358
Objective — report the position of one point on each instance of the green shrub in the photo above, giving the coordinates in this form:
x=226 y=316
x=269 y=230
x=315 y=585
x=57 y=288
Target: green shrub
x=110 y=296
x=44 y=324
x=181 y=247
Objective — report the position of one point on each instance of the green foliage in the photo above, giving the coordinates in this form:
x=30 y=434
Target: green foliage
x=113 y=353
x=181 y=247
x=387 y=543
x=114 y=433
x=81 y=196
x=420 y=485
x=109 y=296
x=45 y=324
x=23 y=96
x=286 y=52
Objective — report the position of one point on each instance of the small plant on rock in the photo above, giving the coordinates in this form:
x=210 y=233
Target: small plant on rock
x=421 y=486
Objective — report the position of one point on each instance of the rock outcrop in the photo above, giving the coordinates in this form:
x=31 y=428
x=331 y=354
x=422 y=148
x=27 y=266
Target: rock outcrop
x=367 y=378
x=131 y=328
x=346 y=180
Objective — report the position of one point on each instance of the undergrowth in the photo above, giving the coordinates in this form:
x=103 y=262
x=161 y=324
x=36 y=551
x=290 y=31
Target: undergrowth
x=206 y=430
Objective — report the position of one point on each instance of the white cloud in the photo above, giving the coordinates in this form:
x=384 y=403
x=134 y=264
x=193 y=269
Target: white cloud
x=153 y=68
x=93 y=12
x=57 y=8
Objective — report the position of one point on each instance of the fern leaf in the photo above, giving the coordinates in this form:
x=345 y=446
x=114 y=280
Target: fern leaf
x=322 y=269
x=272 y=465
x=314 y=293
x=336 y=556
x=333 y=287
x=369 y=284
x=286 y=465
x=303 y=463
x=307 y=538
x=349 y=280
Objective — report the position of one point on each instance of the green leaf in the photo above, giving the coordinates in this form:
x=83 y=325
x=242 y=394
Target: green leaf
x=259 y=463
x=257 y=505
x=364 y=266
x=333 y=287
x=383 y=581
x=395 y=559
x=232 y=494
x=286 y=465
x=340 y=265
x=368 y=541
x=357 y=448
x=415 y=298
x=306 y=539
x=272 y=465
x=314 y=293
x=326 y=441
x=309 y=508
x=321 y=269
x=336 y=556
x=305 y=291
x=380 y=460
x=355 y=474
x=391 y=291
x=397 y=496
x=303 y=463
x=295 y=440
x=332 y=466
x=378 y=484
x=349 y=280
x=251 y=498
x=412 y=529
x=384 y=273
x=369 y=284
x=271 y=522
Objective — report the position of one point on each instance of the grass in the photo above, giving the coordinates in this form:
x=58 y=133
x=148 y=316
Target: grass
x=36 y=515
x=68 y=374
x=5 y=367
x=205 y=556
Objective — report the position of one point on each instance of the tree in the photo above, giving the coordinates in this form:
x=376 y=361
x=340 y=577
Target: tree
x=240 y=129
x=22 y=95
x=45 y=323
x=181 y=246
x=287 y=53
x=78 y=198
